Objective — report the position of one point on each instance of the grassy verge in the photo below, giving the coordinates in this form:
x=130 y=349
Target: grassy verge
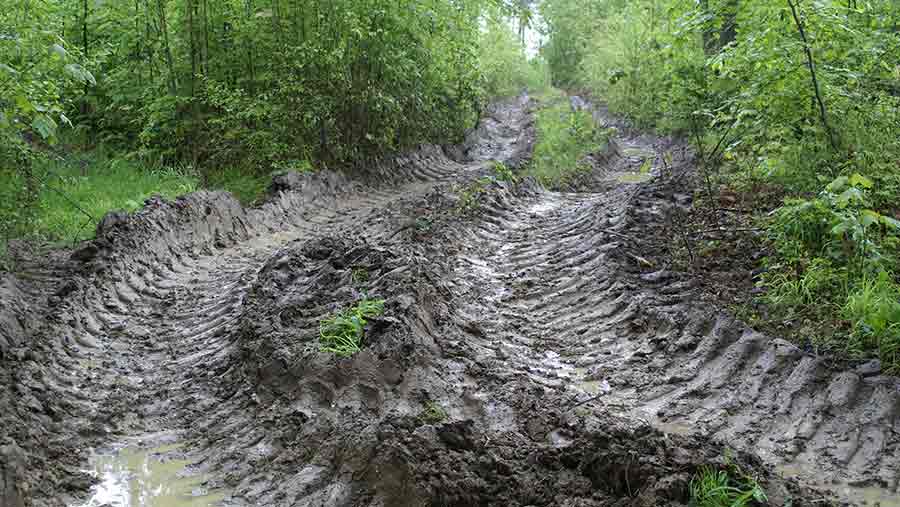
x=247 y=186
x=831 y=276
x=68 y=199
x=564 y=137
x=64 y=200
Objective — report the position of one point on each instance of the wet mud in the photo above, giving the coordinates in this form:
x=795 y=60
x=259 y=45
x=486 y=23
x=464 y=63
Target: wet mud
x=534 y=350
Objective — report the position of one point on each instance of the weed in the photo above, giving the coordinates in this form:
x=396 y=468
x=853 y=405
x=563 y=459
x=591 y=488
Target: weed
x=359 y=275
x=470 y=195
x=504 y=173
x=433 y=413
x=247 y=185
x=713 y=487
x=874 y=311
x=832 y=263
x=342 y=334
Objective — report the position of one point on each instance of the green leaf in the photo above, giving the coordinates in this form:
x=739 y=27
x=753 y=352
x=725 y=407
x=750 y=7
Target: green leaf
x=870 y=217
x=839 y=184
x=858 y=180
x=80 y=74
x=24 y=105
x=891 y=222
x=8 y=69
x=59 y=51
x=849 y=196
x=44 y=125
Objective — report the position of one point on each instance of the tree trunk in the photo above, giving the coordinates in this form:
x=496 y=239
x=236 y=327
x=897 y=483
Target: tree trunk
x=163 y=27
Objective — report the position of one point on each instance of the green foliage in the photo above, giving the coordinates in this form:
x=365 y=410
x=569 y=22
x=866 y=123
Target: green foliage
x=713 y=487
x=564 y=137
x=236 y=89
x=433 y=413
x=470 y=195
x=247 y=186
x=505 y=68
x=834 y=255
x=72 y=196
x=504 y=173
x=873 y=309
x=342 y=334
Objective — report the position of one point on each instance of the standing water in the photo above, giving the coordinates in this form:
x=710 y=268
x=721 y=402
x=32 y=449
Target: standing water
x=141 y=477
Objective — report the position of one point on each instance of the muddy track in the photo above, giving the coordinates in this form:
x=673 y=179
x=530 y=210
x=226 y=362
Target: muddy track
x=527 y=350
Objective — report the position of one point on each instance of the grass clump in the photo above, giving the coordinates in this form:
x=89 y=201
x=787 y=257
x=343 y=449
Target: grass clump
x=433 y=413
x=564 y=137
x=342 y=334
x=713 y=487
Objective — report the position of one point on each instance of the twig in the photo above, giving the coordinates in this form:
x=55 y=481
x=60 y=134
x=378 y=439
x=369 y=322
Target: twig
x=810 y=63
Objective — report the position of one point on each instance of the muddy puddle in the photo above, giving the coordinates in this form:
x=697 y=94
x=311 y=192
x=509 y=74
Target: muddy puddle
x=857 y=495
x=134 y=476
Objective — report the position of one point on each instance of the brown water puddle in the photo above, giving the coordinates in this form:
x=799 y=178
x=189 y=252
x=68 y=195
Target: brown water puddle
x=155 y=477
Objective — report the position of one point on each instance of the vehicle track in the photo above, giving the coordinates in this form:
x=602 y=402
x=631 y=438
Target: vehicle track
x=535 y=322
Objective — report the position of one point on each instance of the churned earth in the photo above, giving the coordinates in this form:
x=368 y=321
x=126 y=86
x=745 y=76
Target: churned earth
x=534 y=350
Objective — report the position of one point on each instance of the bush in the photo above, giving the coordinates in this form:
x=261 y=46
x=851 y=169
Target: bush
x=834 y=257
x=564 y=137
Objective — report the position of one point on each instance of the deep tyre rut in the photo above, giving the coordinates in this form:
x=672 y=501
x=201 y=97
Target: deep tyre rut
x=529 y=352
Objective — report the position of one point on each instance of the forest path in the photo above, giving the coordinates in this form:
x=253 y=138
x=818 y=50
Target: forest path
x=528 y=349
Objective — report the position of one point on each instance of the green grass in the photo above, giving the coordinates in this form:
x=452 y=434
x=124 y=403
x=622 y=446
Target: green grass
x=342 y=334
x=564 y=137
x=713 y=487
x=247 y=186
x=72 y=198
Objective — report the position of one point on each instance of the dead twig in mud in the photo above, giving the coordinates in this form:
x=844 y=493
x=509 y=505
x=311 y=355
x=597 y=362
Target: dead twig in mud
x=594 y=398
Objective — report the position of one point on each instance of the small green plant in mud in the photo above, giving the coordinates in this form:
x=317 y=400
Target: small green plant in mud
x=359 y=276
x=728 y=487
x=504 y=173
x=342 y=334
x=470 y=195
x=432 y=413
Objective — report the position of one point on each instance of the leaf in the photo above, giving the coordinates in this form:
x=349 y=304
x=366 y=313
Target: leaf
x=849 y=196
x=858 y=180
x=8 y=69
x=59 y=51
x=891 y=222
x=839 y=184
x=44 y=125
x=24 y=104
x=80 y=74
x=870 y=217
x=65 y=119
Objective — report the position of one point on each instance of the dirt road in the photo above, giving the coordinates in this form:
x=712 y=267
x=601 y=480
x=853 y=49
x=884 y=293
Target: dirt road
x=534 y=351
